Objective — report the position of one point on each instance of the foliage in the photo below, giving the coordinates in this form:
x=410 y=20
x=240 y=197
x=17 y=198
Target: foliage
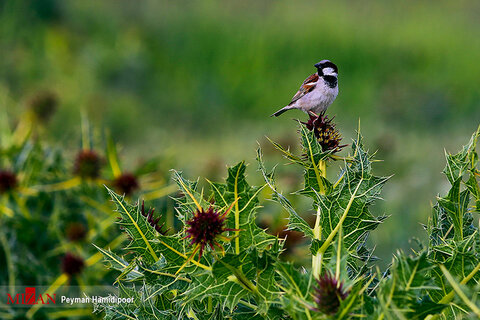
x=245 y=277
x=50 y=214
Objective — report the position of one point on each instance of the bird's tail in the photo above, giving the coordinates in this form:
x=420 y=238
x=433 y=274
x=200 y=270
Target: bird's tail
x=279 y=112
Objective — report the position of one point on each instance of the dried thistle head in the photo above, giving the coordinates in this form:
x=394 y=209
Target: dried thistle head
x=72 y=264
x=126 y=183
x=8 y=181
x=154 y=222
x=325 y=131
x=328 y=295
x=76 y=231
x=43 y=105
x=206 y=227
x=88 y=164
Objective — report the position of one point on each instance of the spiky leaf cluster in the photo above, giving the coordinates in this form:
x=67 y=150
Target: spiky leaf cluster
x=162 y=264
x=248 y=280
x=341 y=205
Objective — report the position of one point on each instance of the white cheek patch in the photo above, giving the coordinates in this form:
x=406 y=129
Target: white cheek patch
x=329 y=71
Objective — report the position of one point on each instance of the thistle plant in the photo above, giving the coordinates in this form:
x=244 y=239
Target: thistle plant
x=220 y=265
x=48 y=223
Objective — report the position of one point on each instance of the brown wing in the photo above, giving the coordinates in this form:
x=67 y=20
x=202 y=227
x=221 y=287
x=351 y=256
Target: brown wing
x=307 y=86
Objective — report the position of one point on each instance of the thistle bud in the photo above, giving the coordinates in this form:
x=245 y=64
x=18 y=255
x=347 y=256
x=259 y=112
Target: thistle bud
x=76 y=231
x=126 y=183
x=43 y=105
x=72 y=265
x=8 y=181
x=328 y=294
x=88 y=164
x=325 y=131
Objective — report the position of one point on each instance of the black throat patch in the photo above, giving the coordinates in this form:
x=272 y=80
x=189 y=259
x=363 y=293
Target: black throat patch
x=331 y=81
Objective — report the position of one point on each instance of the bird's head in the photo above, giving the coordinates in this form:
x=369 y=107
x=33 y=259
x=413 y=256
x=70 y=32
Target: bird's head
x=326 y=68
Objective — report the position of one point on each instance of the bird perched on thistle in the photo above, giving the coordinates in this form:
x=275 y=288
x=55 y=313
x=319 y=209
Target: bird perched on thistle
x=317 y=92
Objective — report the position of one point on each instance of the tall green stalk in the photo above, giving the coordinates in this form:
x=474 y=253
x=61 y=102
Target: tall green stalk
x=317 y=230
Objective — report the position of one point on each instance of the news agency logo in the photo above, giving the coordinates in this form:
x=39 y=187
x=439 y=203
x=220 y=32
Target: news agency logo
x=30 y=297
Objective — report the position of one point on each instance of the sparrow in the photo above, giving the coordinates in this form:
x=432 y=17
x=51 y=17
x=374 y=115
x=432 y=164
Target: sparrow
x=317 y=92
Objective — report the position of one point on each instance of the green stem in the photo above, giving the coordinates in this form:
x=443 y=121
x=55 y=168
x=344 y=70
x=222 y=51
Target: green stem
x=300 y=299
x=317 y=258
x=247 y=304
x=209 y=305
x=317 y=230
x=330 y=237
x=448 y=297
x=237 y=215
x=239 y=278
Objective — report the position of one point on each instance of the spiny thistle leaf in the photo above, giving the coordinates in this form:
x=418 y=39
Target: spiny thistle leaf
x=453 y=236
x=235 y=191
x=347 y=204
x=190 y=199
x=176 y=252
x=295 y=222
x=454 y=208
x=465 y=160
x=315 y=182
x=221 y=286
x=237 y=188
x=235 y=277
x=298 y=287
x=455 y=205
x=115 y=262
x=459 y=257
x=142 y=307
x=141 y=233
x=248 y=281
x=409 y=288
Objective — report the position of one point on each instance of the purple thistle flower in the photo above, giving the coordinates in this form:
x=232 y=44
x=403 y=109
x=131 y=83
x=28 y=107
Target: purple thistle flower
x=72 y=265
x=126 y=183
x=205 y=227
x=88 y=164
x=328 y=294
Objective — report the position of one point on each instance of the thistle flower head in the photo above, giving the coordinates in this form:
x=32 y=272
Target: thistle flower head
x=205 y=227
x=324 y=129
x=8 y=181
x=154 y=222
x=43 y=105
x=76 y=231
x=126 y=183
x=328 y=294
x=72 y=265
x=88 y=164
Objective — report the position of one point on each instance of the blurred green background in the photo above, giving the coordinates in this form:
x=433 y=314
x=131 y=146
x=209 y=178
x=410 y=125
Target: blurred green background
x=196 y=81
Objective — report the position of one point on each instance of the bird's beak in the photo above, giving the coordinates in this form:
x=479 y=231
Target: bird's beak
x=316 y=65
